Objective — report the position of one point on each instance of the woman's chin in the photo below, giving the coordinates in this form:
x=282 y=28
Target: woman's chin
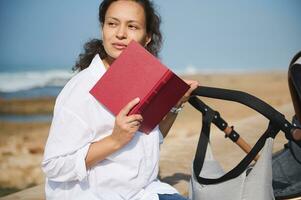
x=116 y=54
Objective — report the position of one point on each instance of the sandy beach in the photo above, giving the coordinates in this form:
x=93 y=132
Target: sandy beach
x=22 y=144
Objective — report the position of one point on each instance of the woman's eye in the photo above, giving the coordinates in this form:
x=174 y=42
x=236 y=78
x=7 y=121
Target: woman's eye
x=112 y=24
x=133 y=27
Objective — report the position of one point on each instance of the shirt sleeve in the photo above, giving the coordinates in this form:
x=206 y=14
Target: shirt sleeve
x=67 y=167
x=66 y=148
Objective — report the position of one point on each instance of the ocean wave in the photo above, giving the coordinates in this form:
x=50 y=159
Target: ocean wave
x=18 y=81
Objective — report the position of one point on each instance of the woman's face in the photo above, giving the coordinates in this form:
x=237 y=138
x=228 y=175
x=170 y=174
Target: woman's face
x=124 y=21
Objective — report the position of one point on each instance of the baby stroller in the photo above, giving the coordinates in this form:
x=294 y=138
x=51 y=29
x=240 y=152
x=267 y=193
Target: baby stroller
x=287 y=162
x=272 y=176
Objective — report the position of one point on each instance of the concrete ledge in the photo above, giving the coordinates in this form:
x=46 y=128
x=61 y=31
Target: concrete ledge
x=37 y=193
x=34 y=193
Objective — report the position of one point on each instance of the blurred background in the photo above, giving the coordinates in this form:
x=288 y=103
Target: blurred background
x=40 y=42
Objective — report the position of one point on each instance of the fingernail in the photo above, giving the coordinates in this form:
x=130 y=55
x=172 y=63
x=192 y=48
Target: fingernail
x=137 y=99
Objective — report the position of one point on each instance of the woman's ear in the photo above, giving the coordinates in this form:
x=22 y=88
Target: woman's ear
x=148 y=40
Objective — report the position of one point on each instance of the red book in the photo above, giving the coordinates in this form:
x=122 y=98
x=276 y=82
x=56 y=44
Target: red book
x=137 y=73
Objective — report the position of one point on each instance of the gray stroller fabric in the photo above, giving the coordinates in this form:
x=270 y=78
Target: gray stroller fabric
x=256 y=184
x=287 y=170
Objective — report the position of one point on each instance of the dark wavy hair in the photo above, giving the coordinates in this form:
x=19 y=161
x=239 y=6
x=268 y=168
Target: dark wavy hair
x=95 y=46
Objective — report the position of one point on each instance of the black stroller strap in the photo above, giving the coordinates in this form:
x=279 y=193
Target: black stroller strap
x=203 y=142
x=251 y=101
x=208 y=117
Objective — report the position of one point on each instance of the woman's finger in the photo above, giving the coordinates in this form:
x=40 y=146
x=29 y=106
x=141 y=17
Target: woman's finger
x=135 y=117
x=135 y=123
x=125 y=110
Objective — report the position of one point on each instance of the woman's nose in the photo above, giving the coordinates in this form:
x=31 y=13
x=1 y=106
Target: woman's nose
x=121 y=32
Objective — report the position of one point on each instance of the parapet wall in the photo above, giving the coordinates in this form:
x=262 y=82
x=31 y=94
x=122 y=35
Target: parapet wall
x=34 y=193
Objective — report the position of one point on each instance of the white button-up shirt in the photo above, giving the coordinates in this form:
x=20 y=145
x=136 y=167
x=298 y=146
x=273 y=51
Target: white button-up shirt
x=79 y=119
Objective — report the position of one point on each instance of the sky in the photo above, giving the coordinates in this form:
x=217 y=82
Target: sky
x=198 y=34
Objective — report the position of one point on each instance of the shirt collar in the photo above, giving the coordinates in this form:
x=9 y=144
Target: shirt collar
x=97 y=67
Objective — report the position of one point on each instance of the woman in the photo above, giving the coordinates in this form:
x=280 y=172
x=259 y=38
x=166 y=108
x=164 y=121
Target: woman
x=91 y=154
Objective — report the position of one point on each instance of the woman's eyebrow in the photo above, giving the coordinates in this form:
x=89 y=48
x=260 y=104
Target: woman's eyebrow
x=135 y=21
x=114 y=18
x=129 y=21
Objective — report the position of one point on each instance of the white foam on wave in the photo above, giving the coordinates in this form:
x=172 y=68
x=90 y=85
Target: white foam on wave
x=16 y=81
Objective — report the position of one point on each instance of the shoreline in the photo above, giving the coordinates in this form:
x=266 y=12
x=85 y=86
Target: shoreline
x=34 y=106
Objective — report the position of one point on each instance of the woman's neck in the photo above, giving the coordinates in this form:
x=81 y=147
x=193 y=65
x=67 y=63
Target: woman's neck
x=107 y=62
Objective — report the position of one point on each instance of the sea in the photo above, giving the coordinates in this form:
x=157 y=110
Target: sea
x=29 y=84
x=33 y=83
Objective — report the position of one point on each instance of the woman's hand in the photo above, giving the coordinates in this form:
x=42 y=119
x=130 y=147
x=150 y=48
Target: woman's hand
x=123 y=132
x=193 y=85
x=126 y=126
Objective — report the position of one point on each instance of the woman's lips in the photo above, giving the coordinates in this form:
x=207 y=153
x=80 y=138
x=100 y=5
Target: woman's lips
x=119 y=46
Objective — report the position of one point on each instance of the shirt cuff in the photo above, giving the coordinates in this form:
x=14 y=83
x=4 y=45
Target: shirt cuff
x=80 y=166
x=161 y=138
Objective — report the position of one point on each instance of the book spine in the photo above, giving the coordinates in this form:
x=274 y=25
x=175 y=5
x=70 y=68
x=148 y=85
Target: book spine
x=154 y=91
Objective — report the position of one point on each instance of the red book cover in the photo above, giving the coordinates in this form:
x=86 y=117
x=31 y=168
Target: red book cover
x=137 y=73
